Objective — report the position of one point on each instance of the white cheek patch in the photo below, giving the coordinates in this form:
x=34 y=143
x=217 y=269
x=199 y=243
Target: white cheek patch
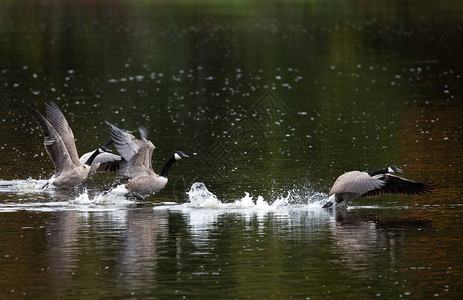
x=177 y=157
x=389 y=169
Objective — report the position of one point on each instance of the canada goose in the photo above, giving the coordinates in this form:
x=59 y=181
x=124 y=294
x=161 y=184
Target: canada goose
x=60 y=146
x=136 y=162
x=356 y=184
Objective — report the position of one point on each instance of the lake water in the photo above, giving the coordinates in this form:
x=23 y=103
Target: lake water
x=272 y=101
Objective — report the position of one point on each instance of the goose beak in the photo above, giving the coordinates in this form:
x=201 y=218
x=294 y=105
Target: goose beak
x=394 y=169
x=181 y=154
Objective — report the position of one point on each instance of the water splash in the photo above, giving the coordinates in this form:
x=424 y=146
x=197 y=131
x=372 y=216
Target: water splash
x=204 y=210
x=24 y=186
x=34 y=197
x=113 y=197
x=200 y=197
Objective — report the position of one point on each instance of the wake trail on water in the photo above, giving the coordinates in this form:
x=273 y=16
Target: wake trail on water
x=199 y=197
x=30 y=194
x=24 y=186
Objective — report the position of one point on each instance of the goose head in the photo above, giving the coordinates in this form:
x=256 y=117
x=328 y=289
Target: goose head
x=179 y=155
x=394 y=169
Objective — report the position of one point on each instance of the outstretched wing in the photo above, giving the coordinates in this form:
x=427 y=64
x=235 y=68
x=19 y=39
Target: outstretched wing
x=143 y=132
x=355 y=182
x=398 y=185
x=59 y=122
x=136 y=153
x=53 y=143
x=126 y=144
x=147 y=156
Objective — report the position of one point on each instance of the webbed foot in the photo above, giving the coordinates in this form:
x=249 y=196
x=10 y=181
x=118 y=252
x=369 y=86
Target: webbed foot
x=134 y=195
x=328 y=204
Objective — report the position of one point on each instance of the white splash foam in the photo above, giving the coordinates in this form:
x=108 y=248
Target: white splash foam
x=52 y=199
x=82 y=199
x=24 y=186
x=115 y=196
x=200 y=197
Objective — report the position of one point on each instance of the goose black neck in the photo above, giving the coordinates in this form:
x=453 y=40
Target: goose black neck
x=376 y=172
x=92 y=157
x=167 y=166
x=109 y=143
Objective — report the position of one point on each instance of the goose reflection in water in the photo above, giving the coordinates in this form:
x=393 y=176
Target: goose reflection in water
x=365 y=238
x=143 y=235
x=135 y=233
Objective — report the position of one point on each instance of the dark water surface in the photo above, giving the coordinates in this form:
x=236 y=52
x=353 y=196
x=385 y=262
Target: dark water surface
x=274 y=99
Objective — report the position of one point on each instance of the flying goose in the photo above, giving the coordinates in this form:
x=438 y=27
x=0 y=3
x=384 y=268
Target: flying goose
x=356 y=184
x=136 y=162
x=60 y=146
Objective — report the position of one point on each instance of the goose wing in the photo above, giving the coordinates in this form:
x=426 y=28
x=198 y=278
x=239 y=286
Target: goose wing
x=135 y=153
x=141 y=163
x=59 y=122
x=355 y=182
x=398 y=185
x=126 y=144
x=147 y=161
x=53 y=143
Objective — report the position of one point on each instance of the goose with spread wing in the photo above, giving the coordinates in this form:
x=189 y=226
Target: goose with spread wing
x=356 y=184
x=60 y=146
x=136 y=164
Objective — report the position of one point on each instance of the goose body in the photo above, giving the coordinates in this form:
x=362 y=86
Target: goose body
x=356 y=184
x=60 y=146
x=136 y=163
x=146 y=185
x=71 y=177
